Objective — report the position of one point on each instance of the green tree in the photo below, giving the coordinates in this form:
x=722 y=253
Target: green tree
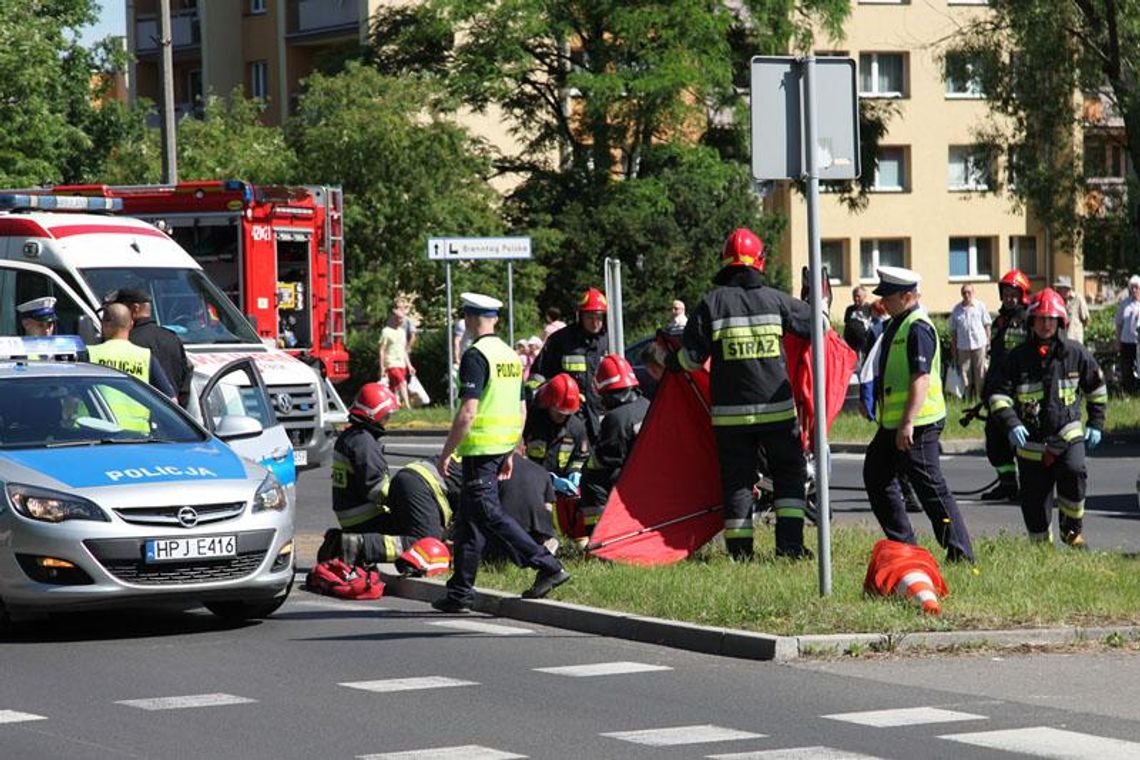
x=409 y=173
x=54 y=126
x=1033 y=58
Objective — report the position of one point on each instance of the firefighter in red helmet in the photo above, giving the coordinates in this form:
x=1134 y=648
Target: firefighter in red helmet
x=1009 y=331
x=616 y=385
x=576 y=350
x=1035 y=398
x=555 y=438
x=740 y=325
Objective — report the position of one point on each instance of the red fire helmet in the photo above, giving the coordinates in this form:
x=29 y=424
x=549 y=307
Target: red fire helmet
x=593 y=300
x=614 y=374
x=428 y=556
x=1015 y=278
x=1048 y=303
x=373 y=403
x=743 y=248
x=560 y=394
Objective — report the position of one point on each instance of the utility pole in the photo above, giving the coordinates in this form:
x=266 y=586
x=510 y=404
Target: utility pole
x=166 y=112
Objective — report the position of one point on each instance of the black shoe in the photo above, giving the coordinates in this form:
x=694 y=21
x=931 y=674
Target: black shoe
x=795 y=551
x=330 y=546
x=450 y=606
x=340 y=545
x=544 y=583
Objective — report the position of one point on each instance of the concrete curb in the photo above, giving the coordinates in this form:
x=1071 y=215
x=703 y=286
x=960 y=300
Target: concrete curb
x=728 y=642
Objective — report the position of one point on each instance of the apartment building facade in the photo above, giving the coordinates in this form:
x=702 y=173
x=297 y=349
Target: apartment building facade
x=937 y=206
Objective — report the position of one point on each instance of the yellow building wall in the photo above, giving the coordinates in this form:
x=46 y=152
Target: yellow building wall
x=926 y=214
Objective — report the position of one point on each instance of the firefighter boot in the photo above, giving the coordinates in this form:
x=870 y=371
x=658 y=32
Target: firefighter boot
x=739 y=548
x=790 y=539
x=1071 y=528
x=340 y=545
x=1006 y=489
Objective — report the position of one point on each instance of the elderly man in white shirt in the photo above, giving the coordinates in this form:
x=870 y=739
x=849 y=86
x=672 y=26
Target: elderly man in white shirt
x=1127 y=324
x=970 y=330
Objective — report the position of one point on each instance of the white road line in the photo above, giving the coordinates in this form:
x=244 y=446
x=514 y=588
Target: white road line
x=191 y=700
x=1042 y=741
x=407 y=684
x=474 y=626
x=906 y=716
x=669 y=737
x=14 y=716
x=469 y=752
x=603 y=669
x=797 y=753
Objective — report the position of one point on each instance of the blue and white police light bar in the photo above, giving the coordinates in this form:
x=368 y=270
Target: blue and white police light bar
x=42 y=348
x=13 y=201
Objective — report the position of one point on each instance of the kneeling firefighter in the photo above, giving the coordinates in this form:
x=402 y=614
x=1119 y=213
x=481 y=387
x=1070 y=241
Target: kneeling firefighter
x=1035 y=396
x=616 y=385
x=555 y=438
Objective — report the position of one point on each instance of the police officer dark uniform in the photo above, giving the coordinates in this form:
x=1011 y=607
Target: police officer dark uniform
x=486 y=430
x=528 y=497
x=359 y=469
x=617 y=386
x=555 y=436
x=912 y=413
x=576 y=350
x=1009 y=331
x=1036 y=399
x=740 y=325
x=163 y=343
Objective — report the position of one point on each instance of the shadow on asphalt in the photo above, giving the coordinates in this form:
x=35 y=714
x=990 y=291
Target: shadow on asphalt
x=74 y=627
x=1114 y=502
x=433 y=635
x=349 y=613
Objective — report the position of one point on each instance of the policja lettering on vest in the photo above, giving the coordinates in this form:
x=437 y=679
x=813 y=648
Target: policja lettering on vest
x=912 y=413
x=485 y=431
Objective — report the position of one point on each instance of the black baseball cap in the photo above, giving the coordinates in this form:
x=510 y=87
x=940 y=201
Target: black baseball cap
x=127 y=296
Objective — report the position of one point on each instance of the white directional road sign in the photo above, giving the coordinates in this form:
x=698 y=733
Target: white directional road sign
x=448 y=249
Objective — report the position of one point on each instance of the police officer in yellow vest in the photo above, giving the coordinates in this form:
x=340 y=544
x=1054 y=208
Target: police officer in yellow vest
x=486 y=430
x=912 y=413
x=118 y=352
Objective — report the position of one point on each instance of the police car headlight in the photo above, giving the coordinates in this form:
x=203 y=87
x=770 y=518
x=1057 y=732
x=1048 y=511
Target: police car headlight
x=52 y=506
x=270 y=495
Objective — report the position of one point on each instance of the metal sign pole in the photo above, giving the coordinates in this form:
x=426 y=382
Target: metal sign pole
x=448 y=326
x=818 y=315
x=511 y=301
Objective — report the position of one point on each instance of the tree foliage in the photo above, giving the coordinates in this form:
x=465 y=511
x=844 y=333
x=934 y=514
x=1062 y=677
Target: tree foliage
x=1034 y=59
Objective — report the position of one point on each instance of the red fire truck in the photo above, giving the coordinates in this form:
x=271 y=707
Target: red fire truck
x=277 y=252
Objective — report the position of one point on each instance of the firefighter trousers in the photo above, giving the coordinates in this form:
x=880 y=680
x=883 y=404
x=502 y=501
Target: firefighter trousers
x=1042 y=470
x=739 y=452
x=881 y=468
x=481 y=516
x=999 y=452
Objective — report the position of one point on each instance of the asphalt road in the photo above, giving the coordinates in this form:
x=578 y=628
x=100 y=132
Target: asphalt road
x=391 y=679
x=1112 y=514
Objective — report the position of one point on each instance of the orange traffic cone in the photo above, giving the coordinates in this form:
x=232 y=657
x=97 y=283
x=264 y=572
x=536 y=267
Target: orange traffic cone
x=909 y=571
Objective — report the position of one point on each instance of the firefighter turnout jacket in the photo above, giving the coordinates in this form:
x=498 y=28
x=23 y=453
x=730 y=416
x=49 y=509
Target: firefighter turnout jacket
x=560 y=448
x=1010 y=330
x=1038 y=386
x=415 y=507
x=359 y=478
x=576 y=351
x=618 y=433
x=741 y=325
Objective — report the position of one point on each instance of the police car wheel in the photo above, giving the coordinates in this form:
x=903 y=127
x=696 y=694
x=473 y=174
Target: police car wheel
x=239 y=610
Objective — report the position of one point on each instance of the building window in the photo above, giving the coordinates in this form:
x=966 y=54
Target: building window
x=1104 y=158
x=877 y=253
x=890 y=170
x=963 y=77
x=256 y=6
x=833 y=255
x=259 y=80
x=882 y=75
x=971 y=258
x=1023 y=253
x=971 y=168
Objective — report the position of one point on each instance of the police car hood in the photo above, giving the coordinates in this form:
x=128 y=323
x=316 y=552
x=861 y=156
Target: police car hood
x=276 y=367
x=123 y=473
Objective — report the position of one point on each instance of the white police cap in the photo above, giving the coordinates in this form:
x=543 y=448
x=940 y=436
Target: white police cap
x=37 y=308
x=896 y=280
x=480 y=304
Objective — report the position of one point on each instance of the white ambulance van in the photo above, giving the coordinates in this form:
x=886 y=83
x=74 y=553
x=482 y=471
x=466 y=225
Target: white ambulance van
x=77 y=250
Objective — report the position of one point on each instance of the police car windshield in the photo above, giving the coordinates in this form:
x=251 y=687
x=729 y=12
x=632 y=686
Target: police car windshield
x=184 y=301
x=48 y=412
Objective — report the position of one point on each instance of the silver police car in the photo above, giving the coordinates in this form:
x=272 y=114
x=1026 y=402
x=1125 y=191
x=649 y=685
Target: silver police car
x=114 y=496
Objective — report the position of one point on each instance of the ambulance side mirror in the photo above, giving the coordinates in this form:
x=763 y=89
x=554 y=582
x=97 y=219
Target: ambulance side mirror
x=237 y=427
x=88 y=330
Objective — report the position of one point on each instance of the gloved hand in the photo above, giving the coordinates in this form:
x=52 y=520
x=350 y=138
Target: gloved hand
x=1092 y=438
x=563 y=486
x=575 y=479
x=1018 y=436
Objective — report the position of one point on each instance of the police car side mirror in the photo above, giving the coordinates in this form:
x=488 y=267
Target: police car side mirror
x=237 y=427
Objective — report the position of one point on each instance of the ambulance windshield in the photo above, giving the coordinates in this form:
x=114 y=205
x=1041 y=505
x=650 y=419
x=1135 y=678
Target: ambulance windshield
x=184 y=301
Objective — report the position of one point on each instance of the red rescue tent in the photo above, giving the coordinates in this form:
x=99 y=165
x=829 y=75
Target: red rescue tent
x=667 y=503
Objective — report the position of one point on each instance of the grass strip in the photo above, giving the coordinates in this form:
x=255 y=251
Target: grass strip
x=1016 y=585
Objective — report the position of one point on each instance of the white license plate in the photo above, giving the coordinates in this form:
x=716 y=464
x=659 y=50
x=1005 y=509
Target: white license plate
x=300 y=458
x=182 y=549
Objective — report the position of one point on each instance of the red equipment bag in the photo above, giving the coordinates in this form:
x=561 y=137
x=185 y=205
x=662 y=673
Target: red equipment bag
x=337 y=578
